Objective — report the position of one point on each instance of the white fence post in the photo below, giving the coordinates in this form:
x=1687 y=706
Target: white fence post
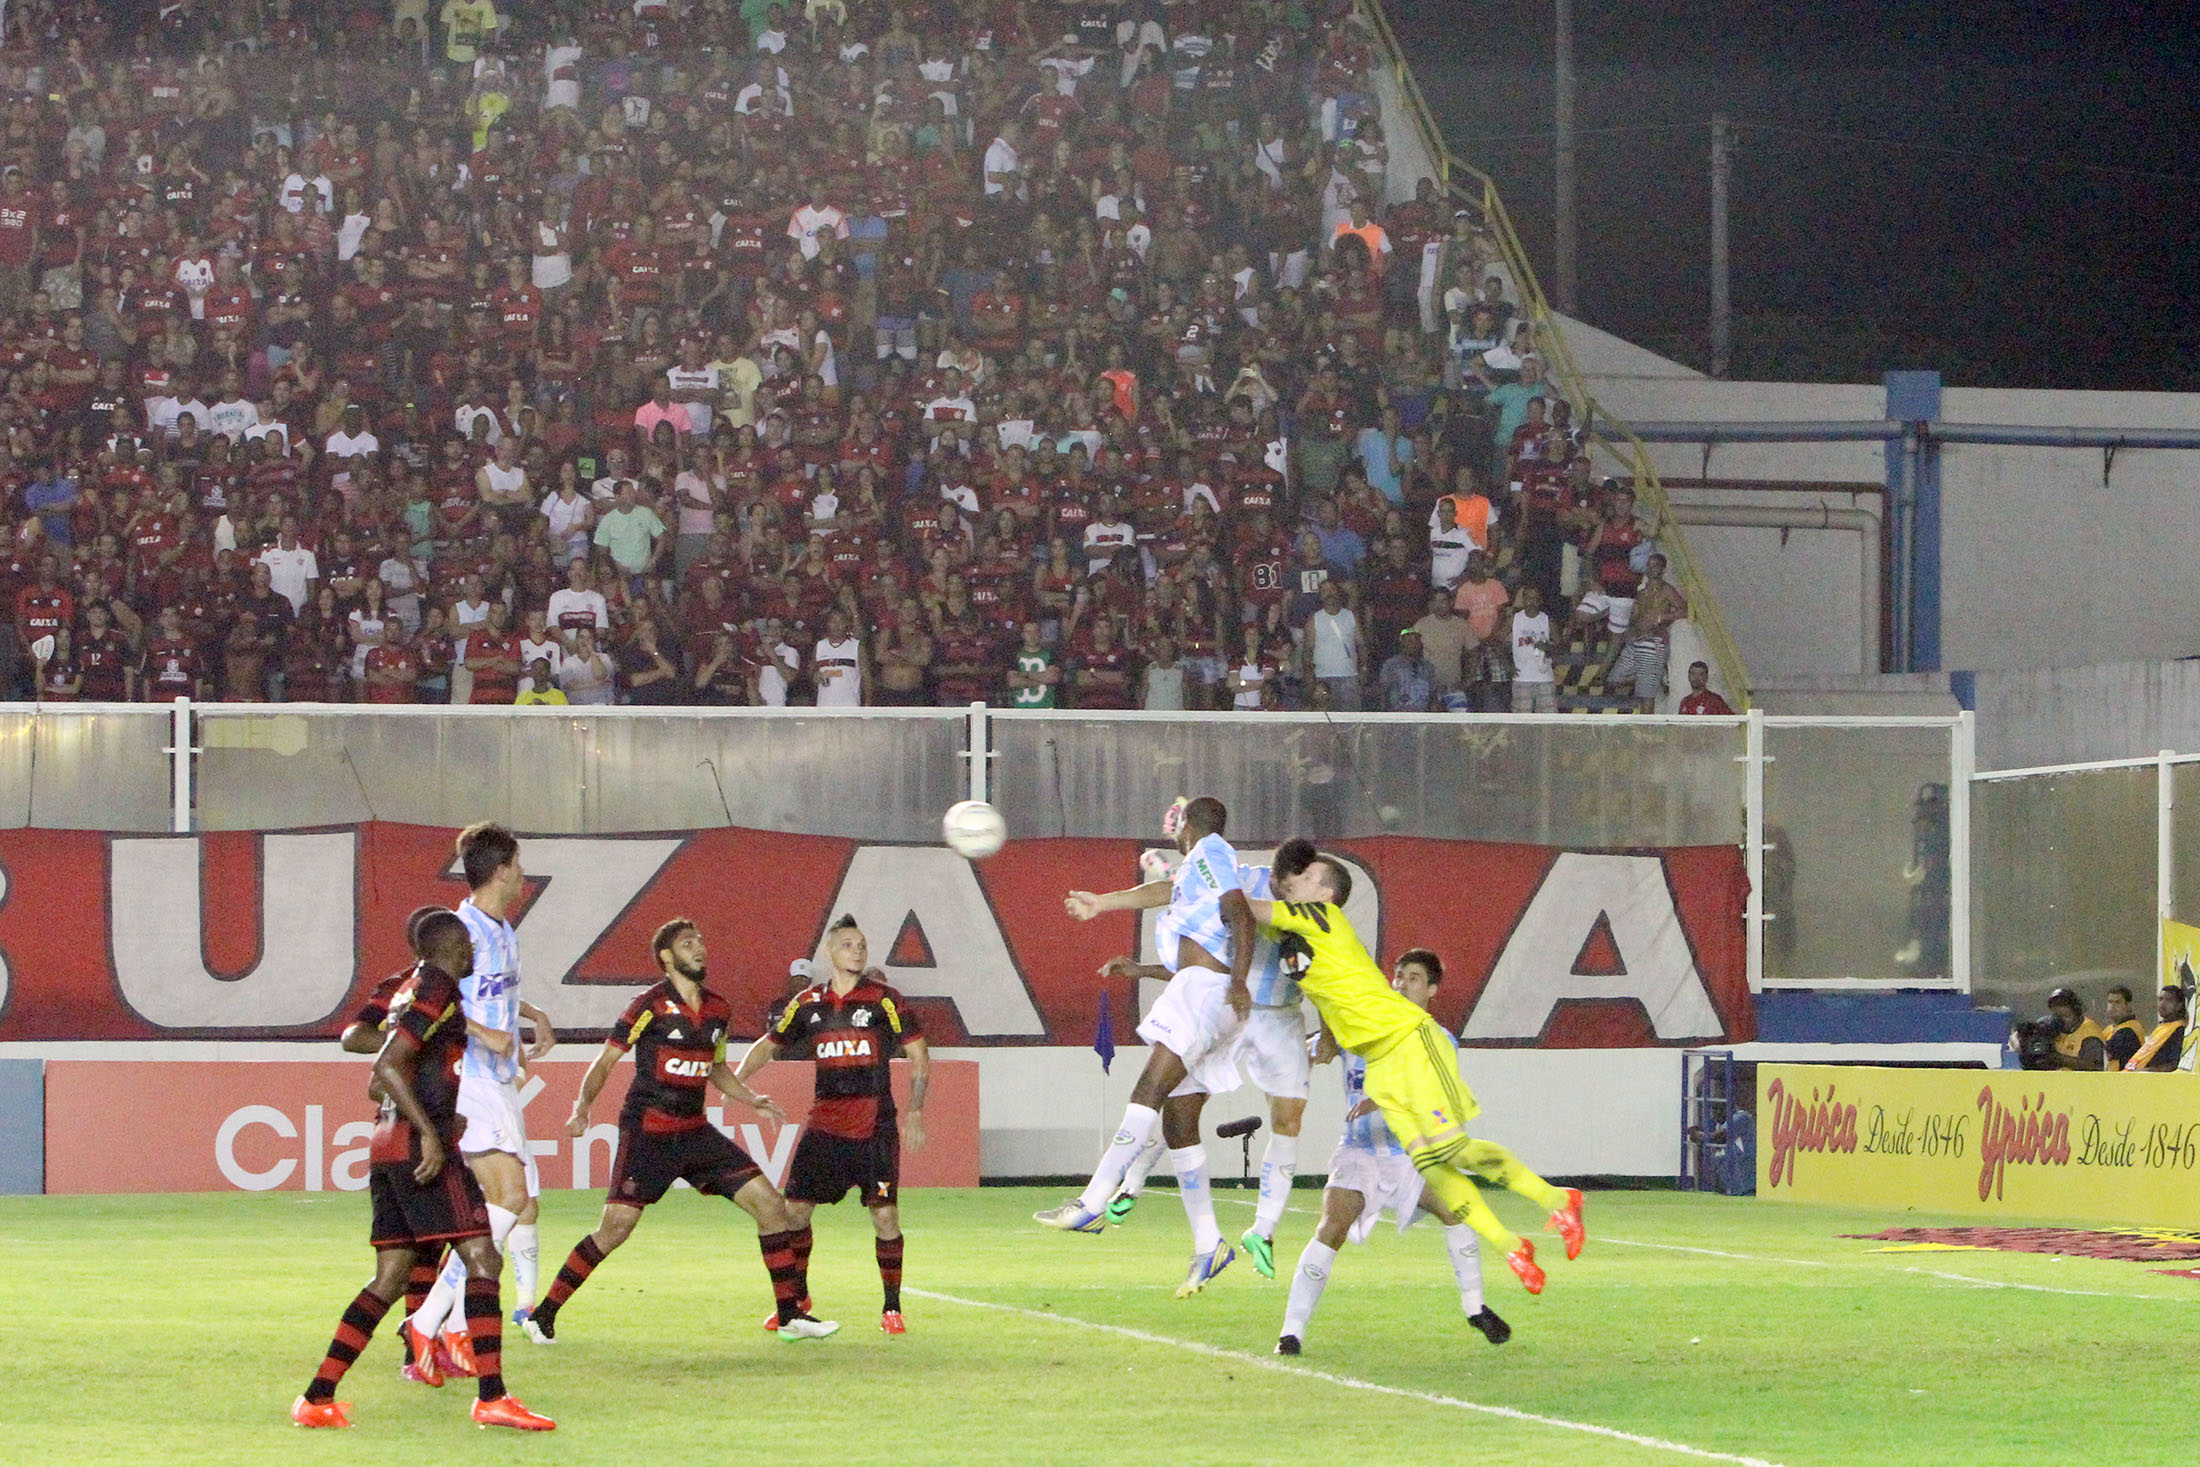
x=179 y=764
x=1753 y=843
x=981 y=754
x=1962 y=764
x=2165 y=851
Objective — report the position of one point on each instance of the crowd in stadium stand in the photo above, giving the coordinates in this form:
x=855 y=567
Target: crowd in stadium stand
x=694 y=351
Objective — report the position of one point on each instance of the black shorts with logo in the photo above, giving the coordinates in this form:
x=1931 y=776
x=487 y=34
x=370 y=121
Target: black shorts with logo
x=649 y=1162
x=408 y=1215
x=825 y=1167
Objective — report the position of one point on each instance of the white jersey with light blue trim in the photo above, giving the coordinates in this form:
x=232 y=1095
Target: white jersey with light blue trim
x=1208 y=870
x=1369 y=1133
x=1271 y=983
x=490 y=994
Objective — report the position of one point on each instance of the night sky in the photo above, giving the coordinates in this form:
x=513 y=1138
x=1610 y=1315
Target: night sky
x=1851 y=256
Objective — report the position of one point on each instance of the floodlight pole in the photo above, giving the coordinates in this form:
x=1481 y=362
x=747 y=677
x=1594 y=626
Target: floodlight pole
x=1722 y=305
x=1565 y=279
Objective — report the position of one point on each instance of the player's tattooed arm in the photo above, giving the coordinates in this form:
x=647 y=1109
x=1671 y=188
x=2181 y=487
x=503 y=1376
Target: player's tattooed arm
x=1085 y=905
x=760 y=1054
x=591 y=1086
x=730 y=1085
x=393 y=1073
x=920 y=1080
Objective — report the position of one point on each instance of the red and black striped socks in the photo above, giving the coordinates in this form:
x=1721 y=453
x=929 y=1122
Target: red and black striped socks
x=781 y=1263
x=485 y=1331
x=352 y=1333
x=418 y=1283
x=574 y=1272
x=889 y=1272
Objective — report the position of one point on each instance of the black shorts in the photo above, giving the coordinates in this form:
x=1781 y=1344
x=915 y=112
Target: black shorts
x=408 y=1215
x=825 y=1167
x=649 y=1162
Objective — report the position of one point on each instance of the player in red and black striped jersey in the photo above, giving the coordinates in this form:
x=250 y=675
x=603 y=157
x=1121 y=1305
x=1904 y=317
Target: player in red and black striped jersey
x=852 y=1025
x=420 y=1199
x=364 y=1035
x=677 y=1033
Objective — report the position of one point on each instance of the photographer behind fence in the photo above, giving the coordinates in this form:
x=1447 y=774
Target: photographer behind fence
x=2166 y=1044
x=2063 y=1039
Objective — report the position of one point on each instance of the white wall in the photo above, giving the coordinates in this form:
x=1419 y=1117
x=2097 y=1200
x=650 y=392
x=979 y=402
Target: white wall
x=2040 y=562
x=1602 y=1112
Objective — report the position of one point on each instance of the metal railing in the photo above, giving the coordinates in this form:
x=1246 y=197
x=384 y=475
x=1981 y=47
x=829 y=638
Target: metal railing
x=1825 y=810
x=1604 y=431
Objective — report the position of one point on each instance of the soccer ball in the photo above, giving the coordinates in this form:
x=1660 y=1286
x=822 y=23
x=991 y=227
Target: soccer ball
x=973 y=829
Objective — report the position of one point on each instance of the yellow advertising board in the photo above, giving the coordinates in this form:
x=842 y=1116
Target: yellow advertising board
x=2053 y=1145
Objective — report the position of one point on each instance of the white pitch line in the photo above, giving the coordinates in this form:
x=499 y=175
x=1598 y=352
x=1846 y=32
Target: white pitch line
x=1269 y=1362
x=1713 y=1252
x=1839 y=1263
x=1964 y=1278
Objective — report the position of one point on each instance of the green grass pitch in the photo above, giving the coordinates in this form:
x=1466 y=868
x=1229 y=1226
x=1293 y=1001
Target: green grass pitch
x=178 y=1329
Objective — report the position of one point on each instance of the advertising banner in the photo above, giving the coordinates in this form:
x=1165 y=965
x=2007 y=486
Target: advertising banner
x=280 y=935
x=2048 y=1145
x=115 y=1126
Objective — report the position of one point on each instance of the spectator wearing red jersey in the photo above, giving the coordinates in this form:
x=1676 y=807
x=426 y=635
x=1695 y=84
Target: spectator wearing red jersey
x=1700 y=699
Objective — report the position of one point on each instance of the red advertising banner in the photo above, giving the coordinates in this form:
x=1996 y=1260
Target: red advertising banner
x=303 y=1126
x=280 y=935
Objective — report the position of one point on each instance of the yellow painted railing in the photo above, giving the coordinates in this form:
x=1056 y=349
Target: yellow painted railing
x=1608 y=435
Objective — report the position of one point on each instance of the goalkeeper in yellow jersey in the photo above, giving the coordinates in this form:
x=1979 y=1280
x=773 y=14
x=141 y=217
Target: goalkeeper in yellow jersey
x=1412 y=1068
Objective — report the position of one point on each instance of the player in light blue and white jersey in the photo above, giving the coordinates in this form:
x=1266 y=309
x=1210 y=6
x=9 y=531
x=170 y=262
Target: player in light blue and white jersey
x=1370 y=1171
x=495 y=1140
x=1270 y=1051
x=1190 y=1031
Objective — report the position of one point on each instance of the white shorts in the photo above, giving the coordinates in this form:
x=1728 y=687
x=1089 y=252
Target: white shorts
x=1271 y=1052
x=495 y=1122
x=1193 y=1019
x=1383 y=1181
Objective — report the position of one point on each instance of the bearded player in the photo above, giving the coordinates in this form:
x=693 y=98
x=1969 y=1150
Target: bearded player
x=1191 y=1032
x=1412 y=1067
x=422 y=1198
x=852 y=1025
x=1370 y=1171
x=677 y=1033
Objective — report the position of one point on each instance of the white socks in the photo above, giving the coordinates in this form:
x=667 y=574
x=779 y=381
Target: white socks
x=1278 y=1165
x=1134 y=1180
x=1307 y=1283
x=526 y=1253
x=1466 y=1265
x=1190 y=1163
x=435 y=1310
x=1139 y=1124
x=435 y=1313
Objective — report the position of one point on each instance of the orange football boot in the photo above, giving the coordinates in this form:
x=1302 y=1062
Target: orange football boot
x=507 y=1411
x=1522 y=1262
x=1568 y=1222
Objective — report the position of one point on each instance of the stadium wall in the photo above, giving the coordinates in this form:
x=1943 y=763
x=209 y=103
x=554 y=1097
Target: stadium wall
x=2042 y=561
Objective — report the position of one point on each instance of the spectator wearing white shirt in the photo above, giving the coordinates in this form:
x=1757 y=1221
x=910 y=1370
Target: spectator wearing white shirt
x=1004 y=165
x=291 y=568
x=953 y=405
x=1108 y=535
x=1334 y=654
x=539 y=643
x=578 y=604
x=352 y=439
x=568 y=516
x=813 y=220
x=694 y=383
x=1449 y=544
x=234 y=415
